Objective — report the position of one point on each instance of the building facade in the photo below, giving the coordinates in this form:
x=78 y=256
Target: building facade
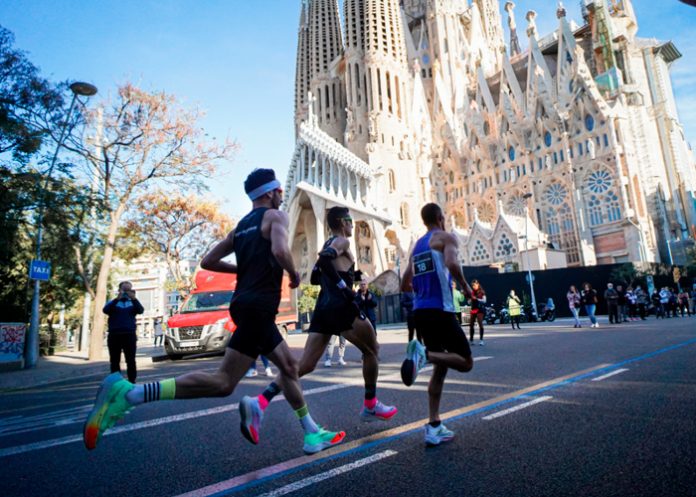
x=572 y=146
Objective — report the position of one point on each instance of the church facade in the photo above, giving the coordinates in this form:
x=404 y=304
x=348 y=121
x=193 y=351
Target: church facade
x=573 y=145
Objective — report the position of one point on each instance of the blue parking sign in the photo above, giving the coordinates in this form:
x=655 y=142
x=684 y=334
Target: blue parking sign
x=40 y=270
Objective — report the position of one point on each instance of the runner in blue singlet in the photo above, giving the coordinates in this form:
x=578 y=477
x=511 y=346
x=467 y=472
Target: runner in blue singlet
x=432 y=266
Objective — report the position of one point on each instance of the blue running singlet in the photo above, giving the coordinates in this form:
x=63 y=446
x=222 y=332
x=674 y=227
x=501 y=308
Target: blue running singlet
x=432 y=282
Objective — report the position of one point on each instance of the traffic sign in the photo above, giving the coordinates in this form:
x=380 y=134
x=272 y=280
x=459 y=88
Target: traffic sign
x=40 y=270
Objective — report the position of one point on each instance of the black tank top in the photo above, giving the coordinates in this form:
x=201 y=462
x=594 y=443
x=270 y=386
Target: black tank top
x=330 y=295
x=259 y=276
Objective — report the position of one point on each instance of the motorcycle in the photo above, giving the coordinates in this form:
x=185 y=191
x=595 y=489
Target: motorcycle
x=491 y=314
x=547 y=311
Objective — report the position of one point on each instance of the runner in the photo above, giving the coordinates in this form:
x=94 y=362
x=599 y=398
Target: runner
x=260 y=242
x=431 y=266
x=336 y=313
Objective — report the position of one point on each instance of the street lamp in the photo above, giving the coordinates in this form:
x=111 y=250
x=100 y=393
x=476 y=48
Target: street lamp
x=526 y=198
x=32 y=345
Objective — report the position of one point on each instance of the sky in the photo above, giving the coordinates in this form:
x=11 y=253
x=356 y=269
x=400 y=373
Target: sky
x=235 y=59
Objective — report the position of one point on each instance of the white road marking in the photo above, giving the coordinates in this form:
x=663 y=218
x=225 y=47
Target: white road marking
x=483 y=358
x=609 y=375
x=329 y=474
x=517 y=408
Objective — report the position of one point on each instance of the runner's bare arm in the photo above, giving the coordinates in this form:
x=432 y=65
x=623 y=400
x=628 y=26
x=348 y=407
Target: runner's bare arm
x=407 y=278
x=451 y=253
x=279 y=245
x=212 y=261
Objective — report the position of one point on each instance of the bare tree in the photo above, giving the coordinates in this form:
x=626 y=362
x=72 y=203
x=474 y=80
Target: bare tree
x=145 y=141
x=176 y=226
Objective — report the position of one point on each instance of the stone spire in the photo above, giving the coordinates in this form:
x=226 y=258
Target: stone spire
x=531 y=24
x=325 y=46
x=515 y=48
x=492 y=24
x=302 y=72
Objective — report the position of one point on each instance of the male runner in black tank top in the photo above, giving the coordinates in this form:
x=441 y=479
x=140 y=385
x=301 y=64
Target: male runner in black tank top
x=336 y=313
x=260 y=242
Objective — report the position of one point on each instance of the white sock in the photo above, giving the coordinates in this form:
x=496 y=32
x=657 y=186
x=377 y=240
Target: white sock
x=136 y=395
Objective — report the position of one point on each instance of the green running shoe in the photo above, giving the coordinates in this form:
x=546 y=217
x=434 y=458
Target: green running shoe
x=322 y=439
x=110 y=406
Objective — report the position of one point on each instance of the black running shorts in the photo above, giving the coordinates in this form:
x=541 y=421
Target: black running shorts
x=256 y=332
x=334 y=320
x=441 y=332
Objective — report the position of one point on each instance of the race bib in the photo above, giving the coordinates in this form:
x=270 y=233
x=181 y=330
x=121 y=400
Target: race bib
x=423 y=263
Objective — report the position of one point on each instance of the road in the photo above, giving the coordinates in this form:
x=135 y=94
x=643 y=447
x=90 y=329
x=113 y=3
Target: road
x=548 y=410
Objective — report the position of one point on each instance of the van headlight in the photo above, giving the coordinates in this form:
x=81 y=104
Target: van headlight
x=216 y=327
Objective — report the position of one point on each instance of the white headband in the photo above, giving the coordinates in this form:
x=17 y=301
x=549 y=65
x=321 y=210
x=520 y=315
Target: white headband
x=270 y=186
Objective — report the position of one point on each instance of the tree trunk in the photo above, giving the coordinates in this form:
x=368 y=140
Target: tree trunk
x=96 y=343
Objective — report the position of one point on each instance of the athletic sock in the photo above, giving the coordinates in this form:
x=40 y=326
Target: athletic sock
x=267 y=395
x=370 y=396
x=150 y=392
x=435 y=424
x=308 y=424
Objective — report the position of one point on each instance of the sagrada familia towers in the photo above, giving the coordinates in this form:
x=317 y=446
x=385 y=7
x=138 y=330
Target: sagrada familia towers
x=570 y=149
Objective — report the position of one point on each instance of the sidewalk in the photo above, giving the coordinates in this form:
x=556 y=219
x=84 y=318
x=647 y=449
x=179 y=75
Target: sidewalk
x=71 y=364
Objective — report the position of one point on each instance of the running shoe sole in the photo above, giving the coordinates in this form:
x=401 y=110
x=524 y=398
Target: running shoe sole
x=435 y=441
x=313 y=449
x=90 y=430
x=246 y=426
x=369 y=417
x=408 y=372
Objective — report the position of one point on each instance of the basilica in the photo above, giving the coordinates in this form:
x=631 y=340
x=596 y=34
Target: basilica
x=567 y=153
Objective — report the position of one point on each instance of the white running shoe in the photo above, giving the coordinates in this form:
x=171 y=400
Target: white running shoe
x=436 y=436
x=341 y=362
x=269 y=371
x=414 y=362
x=482 y=343
x=327 y=363
x=251 y=373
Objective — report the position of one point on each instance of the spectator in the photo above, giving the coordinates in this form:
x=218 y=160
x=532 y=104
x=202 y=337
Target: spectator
x=693 y=301
x=631 y=303
x=159 y=333
x=407 y=305
x=588 y=298
x=478 y=310
x=683 y=298
x=622 y=303
x=514 y=309
x=657 y=304
x=673 y=302
x=367 y=302
x=459 y=300
x=122 y=328
x=612 y=298
x=330 y=351
x=266 y=366
x=641 y=301
x=573 y=297
x=665 y=296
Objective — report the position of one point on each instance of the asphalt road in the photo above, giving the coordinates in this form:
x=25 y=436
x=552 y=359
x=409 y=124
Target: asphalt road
x=548 y=410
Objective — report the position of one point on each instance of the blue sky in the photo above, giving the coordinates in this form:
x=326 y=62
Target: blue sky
x=235 y=59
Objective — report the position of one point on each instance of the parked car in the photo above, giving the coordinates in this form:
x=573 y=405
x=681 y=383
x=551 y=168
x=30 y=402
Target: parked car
x=203 y=324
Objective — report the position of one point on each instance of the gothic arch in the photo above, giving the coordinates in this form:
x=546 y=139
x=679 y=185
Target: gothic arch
x=558 y=218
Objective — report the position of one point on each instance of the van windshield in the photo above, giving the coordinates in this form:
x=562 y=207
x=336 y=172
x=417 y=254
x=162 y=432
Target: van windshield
x=207 y=301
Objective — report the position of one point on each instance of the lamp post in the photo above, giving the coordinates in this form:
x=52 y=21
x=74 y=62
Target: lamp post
x=526 y=198
x=32 y=344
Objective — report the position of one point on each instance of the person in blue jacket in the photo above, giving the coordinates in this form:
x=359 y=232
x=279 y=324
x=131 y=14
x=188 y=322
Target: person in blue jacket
x=122 y=328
